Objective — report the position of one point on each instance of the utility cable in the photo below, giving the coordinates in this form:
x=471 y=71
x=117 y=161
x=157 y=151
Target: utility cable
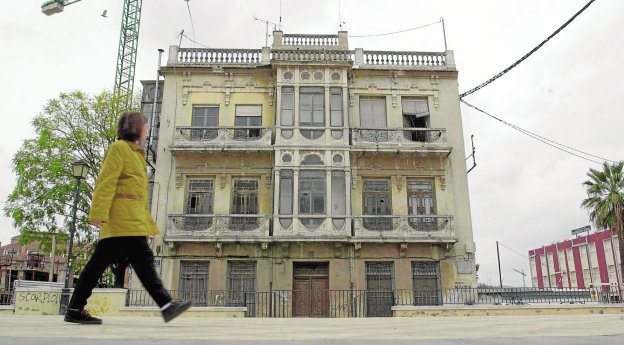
x=192 y=40
x=544 y=140
x=398 y=32
x=191 y=17
x=527 y=55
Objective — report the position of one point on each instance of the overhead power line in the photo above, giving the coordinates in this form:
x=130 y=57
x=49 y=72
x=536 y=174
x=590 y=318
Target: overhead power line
x=182 y=34
x=398 y=32
x=549 y=142
x=528 y=54
x=188 y=7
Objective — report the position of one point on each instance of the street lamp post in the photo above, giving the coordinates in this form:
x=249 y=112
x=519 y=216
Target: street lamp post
x=79 y=170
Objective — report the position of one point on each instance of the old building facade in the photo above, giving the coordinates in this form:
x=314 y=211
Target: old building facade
x=306 y=167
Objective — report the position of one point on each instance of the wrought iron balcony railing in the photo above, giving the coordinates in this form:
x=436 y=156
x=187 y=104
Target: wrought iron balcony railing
x=432 y=228
x=218 y=226
x=399 y=138
x=223 y=137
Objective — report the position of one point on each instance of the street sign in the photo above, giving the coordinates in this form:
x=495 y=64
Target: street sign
x=586 y=228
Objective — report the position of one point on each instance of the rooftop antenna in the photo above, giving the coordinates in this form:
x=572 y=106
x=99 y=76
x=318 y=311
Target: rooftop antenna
x=280 y=20
x=266 y=22
x=339 y=17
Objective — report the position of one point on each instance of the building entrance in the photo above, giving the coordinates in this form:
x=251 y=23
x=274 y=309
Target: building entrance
x=311 y=289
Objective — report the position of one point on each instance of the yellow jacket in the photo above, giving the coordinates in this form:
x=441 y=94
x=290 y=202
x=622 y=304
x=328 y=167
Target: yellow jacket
x=120 y=195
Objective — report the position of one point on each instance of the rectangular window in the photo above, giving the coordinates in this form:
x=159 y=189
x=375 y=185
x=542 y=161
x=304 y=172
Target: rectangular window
x=426 y=283
x=245 y=201
x=421 y=197
x=311 y=192
x=241 y=285
x=286 y=192
x=339 y=205
x=373 y=119
x=205 y=116
x=194 y=282
x=200 y=199
x=421 y=202
x=288 y=106
x=312 y=110
x=377 y=202
x=248 y=116
x=416 y=115
x=373 y=112
x=379 y=283
x=377 y=197
x=336 y=107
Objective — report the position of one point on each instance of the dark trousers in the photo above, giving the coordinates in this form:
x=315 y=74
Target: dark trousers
x=139 y=255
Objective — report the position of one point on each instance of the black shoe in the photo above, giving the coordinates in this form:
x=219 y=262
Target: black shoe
x=82 y=317
x=176 y=308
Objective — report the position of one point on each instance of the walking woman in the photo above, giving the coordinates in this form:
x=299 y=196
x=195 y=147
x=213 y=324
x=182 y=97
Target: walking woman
x=119 y=210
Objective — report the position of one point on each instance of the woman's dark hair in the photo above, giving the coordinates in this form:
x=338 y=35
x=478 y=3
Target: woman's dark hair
x=130 y=125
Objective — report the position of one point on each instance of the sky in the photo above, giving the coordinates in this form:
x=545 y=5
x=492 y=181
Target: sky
x=523 y=193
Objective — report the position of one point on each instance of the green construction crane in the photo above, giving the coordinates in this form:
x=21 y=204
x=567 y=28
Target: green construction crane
x=128 y=45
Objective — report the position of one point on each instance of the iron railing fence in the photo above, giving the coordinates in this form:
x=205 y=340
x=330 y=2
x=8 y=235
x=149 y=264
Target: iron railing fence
x=6 y=296
x=369 y=303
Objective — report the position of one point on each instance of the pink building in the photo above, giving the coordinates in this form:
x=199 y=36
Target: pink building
x=577 y=263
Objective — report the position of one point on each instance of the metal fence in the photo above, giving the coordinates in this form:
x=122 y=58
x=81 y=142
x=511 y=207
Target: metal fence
x=6 y=297
x=367 y=303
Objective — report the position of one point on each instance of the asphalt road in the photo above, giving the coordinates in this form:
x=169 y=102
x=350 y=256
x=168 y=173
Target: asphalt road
x=508 y=330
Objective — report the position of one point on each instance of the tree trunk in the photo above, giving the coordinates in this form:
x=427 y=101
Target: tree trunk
x=621 y=245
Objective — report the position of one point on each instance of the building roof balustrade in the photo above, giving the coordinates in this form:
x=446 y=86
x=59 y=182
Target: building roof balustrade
x=309 y=53
x=235 y=138
x=400 y=139
x=430 y=228
x=218 y=227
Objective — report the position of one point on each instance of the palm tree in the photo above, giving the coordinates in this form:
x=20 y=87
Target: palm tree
x=605 y=201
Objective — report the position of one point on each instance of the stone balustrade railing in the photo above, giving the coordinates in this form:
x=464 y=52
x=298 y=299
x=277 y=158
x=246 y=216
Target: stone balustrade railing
x=309 y=40
x=397 y=58
x=312 y=55
x=431 y=227
x=217 y=226
x=218 y=56
x=311 y=48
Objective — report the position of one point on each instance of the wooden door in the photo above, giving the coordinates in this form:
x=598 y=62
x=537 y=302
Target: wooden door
x=301 y=289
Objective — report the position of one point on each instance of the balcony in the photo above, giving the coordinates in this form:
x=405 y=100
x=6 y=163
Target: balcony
x=312 y=228
x=218 y=227
x=400 y=139
x=251 y=138
x=435 y=229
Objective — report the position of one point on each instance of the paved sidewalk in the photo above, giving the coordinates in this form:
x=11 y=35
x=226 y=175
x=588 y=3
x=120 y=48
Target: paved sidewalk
x=572 y=329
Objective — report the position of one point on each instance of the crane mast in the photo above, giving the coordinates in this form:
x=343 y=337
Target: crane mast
x=128 y=45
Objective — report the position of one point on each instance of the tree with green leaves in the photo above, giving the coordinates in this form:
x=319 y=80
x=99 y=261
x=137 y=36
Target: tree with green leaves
x=74 y=126
x=605 y=201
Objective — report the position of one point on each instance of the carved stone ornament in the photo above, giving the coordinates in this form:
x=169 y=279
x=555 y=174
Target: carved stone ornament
x=223 y=180
x=178 y=180
x=435 y=80
x=443 y=182
x=357 y=246
x=394 y=98
x=403 y=250
x=351 y=97
x=219 y=248
x=185 y=93
x=228 y=94
x=271 y=95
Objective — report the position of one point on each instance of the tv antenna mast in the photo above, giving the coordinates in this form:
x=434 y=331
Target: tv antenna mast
x=266 y=33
